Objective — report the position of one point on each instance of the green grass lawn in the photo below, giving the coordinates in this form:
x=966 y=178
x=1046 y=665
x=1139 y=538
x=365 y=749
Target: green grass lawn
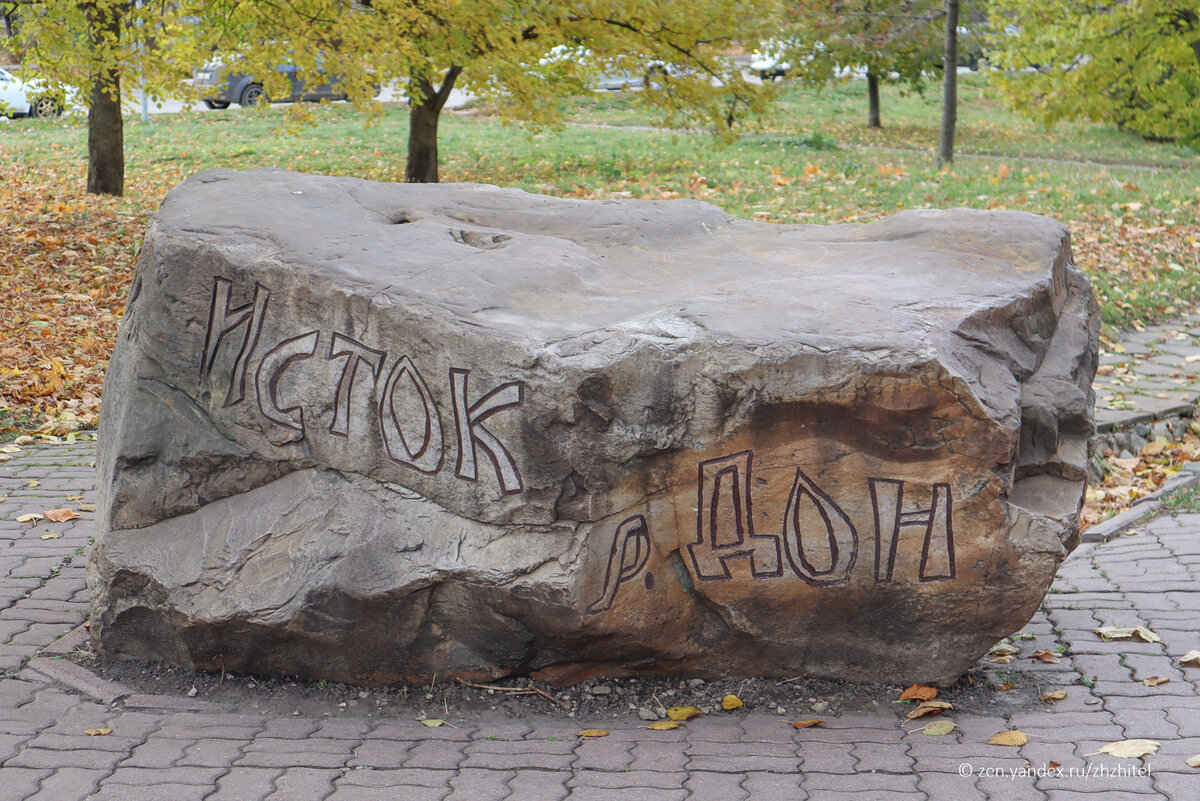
x=1132 y=205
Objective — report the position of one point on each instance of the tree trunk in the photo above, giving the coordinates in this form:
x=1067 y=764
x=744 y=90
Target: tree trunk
x=949 y=85
x=425 y=104
x=873 y=120
x=106 y=128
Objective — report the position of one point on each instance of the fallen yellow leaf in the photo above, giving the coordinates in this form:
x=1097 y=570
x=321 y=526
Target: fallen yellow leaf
x=1012 y=737
x=1130 y=749
x=87 y=507
x=930 y=708
x=433 y=723
x=1127 y=632
x=1154 y=681
x=31 y=517
x=807 y=724
x=593 y=733
x=53 y=535
x=61 y=515
x=1194 y=762
x=919 y=692
x=939 y=728
x=683 y=712
x=97 y=732
x=1057 y=695
x=34 y=483
x=731 y=701
x=1191 y=658
x=1046 y=656
x=664 y=725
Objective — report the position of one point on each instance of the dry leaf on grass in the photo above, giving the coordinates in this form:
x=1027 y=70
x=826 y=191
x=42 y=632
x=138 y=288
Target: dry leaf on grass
x=683 y=712
x=1129 y=749
x=663 y=725
x=1012 y=738
x=731 y=702
x=592 y=733
x=61 y=515
x=807 y=724
x=919 y=692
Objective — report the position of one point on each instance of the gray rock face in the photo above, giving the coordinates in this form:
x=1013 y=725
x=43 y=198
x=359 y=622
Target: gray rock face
x=371 y=432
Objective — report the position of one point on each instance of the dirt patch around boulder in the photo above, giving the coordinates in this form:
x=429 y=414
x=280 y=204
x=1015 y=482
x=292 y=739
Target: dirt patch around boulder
x=627 y=699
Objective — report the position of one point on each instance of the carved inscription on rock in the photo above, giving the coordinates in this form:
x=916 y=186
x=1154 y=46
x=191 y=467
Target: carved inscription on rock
x=406 y=416
x=817 y=542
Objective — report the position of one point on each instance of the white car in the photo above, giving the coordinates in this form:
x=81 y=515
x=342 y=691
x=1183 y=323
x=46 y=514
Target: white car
x=21 y=99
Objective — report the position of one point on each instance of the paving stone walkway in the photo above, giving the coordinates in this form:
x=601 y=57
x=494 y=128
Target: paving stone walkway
x=1149 y=375
x=169 y=748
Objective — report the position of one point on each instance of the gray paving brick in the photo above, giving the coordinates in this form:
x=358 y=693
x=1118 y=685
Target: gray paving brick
x=601 y=754
x=211 y=753
x=360 y=793
x=18 y=783
x=538 y=785
x=705 y=786
x=292 y=759
x=390 y=754
x=882 y=757
x=518 y=759
x=407 y=777
x=1149 y=724
x=175 y=775
x=50 y=758
x=667 y=756
x=628 y=778
x=480 y=785
x=68 y=784
x=950 y=786
x=156 y=753
x=774 y=786
x=304 y=784
x=164 y=791
x=245 y=784
x=827 y=757
x=1020 y=787
x=627 y=794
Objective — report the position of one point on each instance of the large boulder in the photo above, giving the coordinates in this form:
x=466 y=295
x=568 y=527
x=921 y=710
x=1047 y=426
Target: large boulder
x=374 y=432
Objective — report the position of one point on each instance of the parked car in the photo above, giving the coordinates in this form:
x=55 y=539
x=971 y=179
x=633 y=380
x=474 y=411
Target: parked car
x=768 y=62
x=224 y=86
x=21 y=99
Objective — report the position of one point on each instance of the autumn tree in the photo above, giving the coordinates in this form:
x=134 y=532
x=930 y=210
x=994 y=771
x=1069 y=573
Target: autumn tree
x=522 y=57
x=892 y=41
x=88 y=50
x=1133 y=63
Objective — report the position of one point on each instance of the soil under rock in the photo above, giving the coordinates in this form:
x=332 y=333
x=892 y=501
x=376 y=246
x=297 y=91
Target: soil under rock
x=624 y=699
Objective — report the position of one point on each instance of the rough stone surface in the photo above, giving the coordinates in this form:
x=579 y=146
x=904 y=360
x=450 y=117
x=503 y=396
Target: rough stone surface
x=372 y=432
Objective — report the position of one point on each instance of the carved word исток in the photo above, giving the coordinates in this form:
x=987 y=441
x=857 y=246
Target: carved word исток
x=415 y=440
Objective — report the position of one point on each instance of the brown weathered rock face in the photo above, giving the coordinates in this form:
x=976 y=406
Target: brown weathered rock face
x=372 y=432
